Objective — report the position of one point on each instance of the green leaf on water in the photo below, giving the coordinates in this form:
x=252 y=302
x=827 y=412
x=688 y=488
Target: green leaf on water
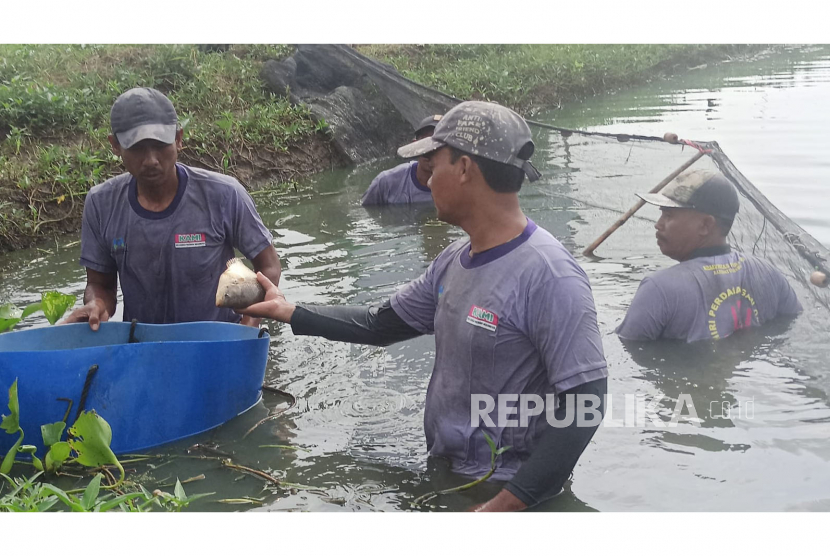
x=179 y=491
x=29 y=309
x=55 y=304
x=57 y=454
x=8 y=461
x=52 y=432
x=11 y=423
x=91 y=492
x=9 y=316
x=92 y=437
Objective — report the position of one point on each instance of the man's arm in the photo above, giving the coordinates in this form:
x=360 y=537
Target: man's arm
x=100 y=297
x=377 y=326
x=647 y=316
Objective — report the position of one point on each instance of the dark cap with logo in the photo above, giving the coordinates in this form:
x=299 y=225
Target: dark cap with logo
x=143 y=113
x=702 y=190
x=428 y=122
x=484 y=129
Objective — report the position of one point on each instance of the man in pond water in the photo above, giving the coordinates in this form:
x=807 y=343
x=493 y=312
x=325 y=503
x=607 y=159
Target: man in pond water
x=405 y=183
x=714 y=291
x=511 y=310
x=165 y=230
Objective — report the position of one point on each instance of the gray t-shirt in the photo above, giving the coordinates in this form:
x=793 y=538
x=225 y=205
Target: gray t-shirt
x=516 y=319
x=398 y=185
x=708 y=298
x=169 y=262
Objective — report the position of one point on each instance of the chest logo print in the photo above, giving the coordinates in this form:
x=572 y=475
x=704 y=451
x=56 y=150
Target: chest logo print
x=483 y=318
x=189 y=240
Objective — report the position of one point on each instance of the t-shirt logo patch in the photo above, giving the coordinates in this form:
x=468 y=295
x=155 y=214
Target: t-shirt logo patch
x=189 y=240
x=483 y=318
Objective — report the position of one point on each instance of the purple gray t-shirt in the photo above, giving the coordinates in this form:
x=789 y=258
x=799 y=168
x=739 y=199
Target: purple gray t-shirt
x=708 y=298
x=169 y=262
x=516 y=319
x=398 y=185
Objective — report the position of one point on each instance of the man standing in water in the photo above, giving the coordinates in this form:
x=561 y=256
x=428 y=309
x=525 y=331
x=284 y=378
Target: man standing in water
x=714 y=291
x=164 y=229
x=511 y=310
x=407 y=182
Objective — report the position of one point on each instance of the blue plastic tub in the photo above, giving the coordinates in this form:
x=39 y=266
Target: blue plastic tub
x=177 y=380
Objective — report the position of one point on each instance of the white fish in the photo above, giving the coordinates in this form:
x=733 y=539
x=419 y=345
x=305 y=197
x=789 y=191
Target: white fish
x=238 y=287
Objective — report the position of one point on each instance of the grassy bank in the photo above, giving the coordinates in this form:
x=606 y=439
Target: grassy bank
x=55 y=101
x=54 y=118
x=525 y=77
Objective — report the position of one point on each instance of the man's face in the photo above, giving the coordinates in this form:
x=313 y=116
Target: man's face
x=680 y=231
x=151 y=162
x=424 y=161
x=444 y=184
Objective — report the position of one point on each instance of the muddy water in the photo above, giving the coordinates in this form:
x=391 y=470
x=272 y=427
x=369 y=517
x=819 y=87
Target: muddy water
x=354 y=440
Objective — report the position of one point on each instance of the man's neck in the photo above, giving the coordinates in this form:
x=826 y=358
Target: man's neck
x=157 y=197
x=493 y=228
x=716 y=245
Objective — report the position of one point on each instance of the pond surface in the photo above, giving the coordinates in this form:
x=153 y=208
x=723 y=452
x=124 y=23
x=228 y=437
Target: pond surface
x=354 y=440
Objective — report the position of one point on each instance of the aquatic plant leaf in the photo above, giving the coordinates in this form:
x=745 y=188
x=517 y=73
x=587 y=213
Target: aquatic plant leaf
x=178 y=491
x=57 y=454
x=69 y=500
x=29 y=309
x=55 y=304
x=118 y=500
x=29 y=449
x=11 y=422
x=9 y=316
x=8 y=461
x=92 y=437
x=52 y=432
x=91 y=492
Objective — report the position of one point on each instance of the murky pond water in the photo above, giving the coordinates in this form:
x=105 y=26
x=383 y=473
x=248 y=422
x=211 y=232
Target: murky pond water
x=354 y=440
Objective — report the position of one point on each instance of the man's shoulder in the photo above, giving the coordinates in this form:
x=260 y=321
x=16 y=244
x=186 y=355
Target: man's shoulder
x=211 y=179
x=398 y=172
x=114 y=185
x=546 y=253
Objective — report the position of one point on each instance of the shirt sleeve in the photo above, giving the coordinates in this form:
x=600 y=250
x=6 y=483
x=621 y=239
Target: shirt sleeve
x=374 y=195
x=646 y=317
x=417 y=301
x=249 y=234
x=95 y=252
x=788 y=303
x=563 y=328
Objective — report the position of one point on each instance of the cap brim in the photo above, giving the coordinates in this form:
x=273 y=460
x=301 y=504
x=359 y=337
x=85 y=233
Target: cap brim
x=420 y=148
x=661 y=200
x=158 y=132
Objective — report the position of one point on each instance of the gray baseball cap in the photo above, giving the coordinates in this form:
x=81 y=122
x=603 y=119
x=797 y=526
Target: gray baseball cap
x=484 y=129
x=429 y=121
x=702 y=190
x=143 y=113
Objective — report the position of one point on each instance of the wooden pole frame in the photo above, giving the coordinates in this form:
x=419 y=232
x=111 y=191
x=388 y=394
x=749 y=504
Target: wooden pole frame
x=589 y=251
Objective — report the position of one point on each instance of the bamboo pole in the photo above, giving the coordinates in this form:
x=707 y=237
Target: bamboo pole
x=589 y=251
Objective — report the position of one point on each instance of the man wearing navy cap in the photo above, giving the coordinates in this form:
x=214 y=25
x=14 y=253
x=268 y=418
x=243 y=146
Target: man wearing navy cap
x=407 y=182
x=714 y=291
x=511 y=310
x=163 y=229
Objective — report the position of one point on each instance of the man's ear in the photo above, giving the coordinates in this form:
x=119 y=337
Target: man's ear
x=179 y=136
x=467 y=168
x=114 y=146
x=708 y=225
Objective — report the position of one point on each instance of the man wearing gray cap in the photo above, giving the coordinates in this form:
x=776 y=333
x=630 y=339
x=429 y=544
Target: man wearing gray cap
x=511 y=310
x=163 y=229
x=714 y=291
x=407 y=182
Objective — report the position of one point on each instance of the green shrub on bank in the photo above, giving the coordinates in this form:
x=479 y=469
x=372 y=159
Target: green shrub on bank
x=525 y=76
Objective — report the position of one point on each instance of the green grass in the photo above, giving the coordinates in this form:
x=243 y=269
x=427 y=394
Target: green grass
x=529 y=76
x=54 y=120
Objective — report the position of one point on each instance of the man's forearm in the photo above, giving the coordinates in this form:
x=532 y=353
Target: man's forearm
x=377 y=326
x=100 y=292
x=557 y=451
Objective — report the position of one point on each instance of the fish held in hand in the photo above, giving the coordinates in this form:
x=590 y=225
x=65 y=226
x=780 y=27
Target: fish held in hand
x=238 y=287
